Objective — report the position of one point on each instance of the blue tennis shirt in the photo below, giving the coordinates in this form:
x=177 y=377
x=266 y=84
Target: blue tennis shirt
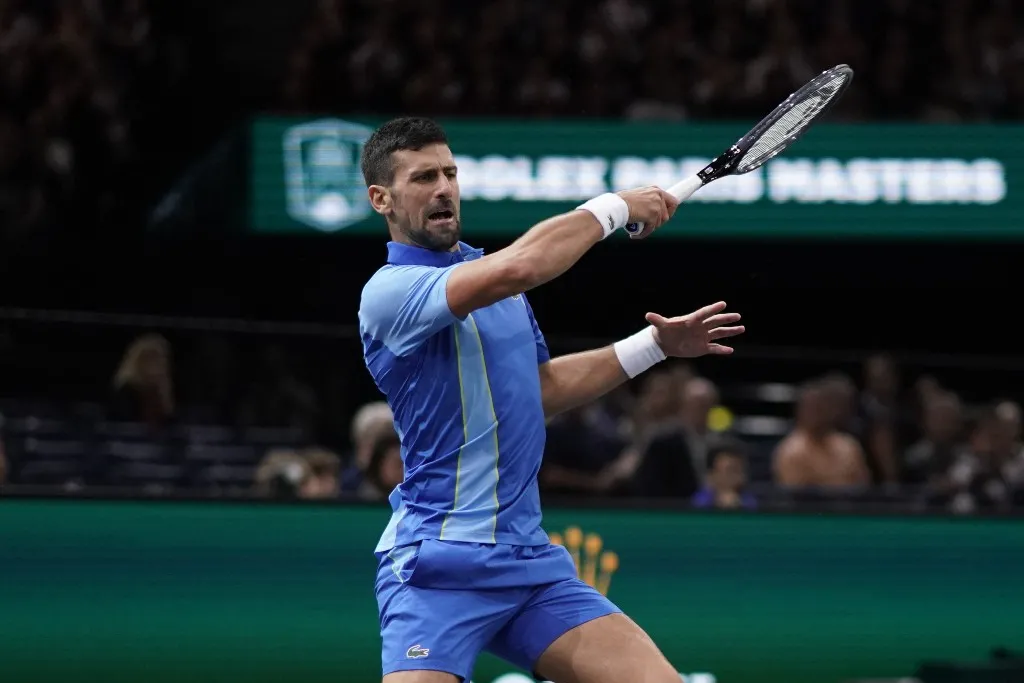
x=466 y=397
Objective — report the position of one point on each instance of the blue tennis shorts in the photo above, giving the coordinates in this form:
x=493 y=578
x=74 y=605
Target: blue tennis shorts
x=443 y=602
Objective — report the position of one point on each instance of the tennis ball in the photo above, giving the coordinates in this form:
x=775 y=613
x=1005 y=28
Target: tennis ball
x=720 y=419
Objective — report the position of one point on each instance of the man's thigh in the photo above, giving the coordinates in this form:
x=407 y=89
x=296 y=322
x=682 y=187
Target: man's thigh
x=437 y=630
x=545 y=618
x=609 y=649
x=420 y=677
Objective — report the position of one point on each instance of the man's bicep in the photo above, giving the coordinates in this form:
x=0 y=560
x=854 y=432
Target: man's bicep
x=404 y=305
x=788 y=465
x=856 y=459
x=482 y=282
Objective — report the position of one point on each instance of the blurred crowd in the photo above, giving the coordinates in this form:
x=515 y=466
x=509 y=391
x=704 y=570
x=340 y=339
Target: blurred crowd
x=163 y=426
x=84 y=86
x=949 y=60
x=78 y=80
x=95 y=90
x=880 y=442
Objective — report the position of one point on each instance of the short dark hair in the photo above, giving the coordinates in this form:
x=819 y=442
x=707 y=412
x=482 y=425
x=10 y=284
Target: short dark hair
x=409 y=132
x=725 y=445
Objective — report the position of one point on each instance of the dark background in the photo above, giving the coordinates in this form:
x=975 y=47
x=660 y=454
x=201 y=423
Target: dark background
x=217 y=64
x=948 y=297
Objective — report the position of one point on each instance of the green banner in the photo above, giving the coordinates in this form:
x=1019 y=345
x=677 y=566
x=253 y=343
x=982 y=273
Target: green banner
x=838 y=181
x=166 y=592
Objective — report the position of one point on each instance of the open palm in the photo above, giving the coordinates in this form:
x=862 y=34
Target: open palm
x=689 y=336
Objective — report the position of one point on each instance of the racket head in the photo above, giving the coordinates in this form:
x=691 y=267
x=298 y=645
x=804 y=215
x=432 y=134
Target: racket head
x=791 y=119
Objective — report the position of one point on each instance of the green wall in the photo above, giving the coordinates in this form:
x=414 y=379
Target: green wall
x=185 y=592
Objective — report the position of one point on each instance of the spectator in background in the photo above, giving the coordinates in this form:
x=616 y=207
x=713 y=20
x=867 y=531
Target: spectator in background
x=1006 y=444
x=940 y=445
x=289 y=474
x=700 y=395
x=842 y=392
x=977 y=480
x=643 y=59
x=1009 y=415
x=726 y=478
x=580 y=445
x=385 y=470
x=657 y=403
x=673 y=461
x=76 y=79
x=815 y=453
x=143 y=388
x=323 y=478
x=371 y=423
x=281 y=474
x=885 y=421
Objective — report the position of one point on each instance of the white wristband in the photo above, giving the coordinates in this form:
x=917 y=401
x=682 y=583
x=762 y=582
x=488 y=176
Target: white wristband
x=610 y=210
x=639 y=352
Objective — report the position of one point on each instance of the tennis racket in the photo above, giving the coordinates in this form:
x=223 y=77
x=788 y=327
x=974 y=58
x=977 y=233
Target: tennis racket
x=771 y=136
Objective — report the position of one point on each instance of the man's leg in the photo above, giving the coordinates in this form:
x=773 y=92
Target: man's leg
x=609 y=649
x=567 y=632
x=421 y=677
x=432 y=635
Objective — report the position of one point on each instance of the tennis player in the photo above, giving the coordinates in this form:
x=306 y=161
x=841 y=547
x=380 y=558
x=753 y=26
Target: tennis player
x=451 y=341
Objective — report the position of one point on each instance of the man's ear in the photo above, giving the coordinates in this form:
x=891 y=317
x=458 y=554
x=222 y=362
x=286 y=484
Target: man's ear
x=380 y=199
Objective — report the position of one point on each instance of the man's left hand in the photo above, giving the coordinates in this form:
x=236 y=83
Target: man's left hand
x=693 y=335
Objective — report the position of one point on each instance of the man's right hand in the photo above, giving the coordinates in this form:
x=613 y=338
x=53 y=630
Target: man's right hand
x=651 y=206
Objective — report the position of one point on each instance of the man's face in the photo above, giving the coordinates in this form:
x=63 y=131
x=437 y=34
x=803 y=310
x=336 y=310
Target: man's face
x=658 y=400
x=153 y=364
x=814 y=411
x=699 y=397
x=729 y=472
x=422 y=203
x=841 y=402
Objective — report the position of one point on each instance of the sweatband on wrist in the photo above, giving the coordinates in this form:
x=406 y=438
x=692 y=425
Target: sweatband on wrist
x=611 y=211
x=639 y=352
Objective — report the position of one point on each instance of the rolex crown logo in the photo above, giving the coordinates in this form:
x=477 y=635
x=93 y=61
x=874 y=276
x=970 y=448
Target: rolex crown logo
x=594 y=565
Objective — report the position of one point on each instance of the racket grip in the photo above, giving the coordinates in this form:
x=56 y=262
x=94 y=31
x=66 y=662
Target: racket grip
x=681 y=191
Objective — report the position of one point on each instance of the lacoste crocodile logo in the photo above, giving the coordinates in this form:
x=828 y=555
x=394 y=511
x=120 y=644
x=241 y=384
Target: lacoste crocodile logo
x=417 y=652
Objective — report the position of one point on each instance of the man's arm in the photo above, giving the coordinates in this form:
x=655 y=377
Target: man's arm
x=573 y=380
x=855 y=461
x=570 y=381
x=788 y=464
x=547 y=250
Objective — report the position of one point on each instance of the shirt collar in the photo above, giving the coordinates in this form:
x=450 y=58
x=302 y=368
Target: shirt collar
x=400 y=254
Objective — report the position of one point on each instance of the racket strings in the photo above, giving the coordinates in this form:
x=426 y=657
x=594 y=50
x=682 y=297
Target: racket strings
x=780 y=133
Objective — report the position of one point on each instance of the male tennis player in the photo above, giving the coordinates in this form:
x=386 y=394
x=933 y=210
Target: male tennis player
x=451 y=341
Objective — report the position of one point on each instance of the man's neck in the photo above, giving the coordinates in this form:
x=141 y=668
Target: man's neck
x=402 y=238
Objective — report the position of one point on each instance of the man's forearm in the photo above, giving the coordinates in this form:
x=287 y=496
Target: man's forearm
x=570 y=381
x=546 y=251
x=550 y=248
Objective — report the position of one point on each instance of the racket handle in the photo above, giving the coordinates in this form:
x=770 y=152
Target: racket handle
x=681 y=191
